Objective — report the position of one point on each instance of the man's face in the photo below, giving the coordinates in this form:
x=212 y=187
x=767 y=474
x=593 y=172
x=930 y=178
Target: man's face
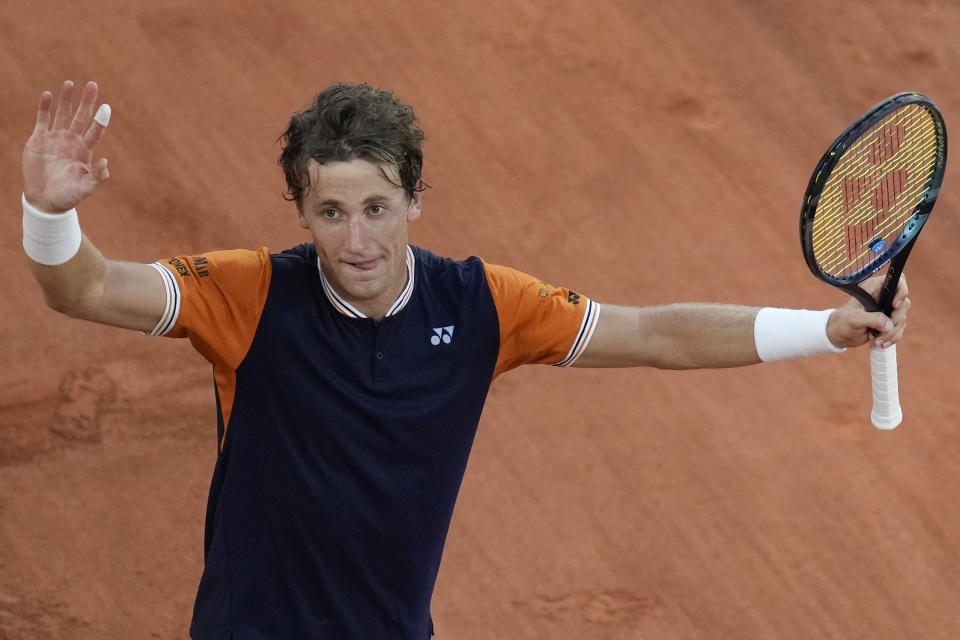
x=358 y=220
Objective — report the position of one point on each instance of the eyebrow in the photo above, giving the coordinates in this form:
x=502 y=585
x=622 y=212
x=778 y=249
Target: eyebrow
x=333 y=202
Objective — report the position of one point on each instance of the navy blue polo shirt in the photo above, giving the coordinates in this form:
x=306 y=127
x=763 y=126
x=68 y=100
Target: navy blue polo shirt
x=343 y=441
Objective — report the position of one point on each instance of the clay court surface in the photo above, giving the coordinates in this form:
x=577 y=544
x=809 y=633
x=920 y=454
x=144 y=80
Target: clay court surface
x=639 y=152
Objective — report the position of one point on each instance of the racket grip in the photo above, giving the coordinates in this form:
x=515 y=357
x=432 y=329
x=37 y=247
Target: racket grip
x=886 y=412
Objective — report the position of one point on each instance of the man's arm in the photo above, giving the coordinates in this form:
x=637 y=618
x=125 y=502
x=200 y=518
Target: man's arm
x=59 y=171
x=694 y=336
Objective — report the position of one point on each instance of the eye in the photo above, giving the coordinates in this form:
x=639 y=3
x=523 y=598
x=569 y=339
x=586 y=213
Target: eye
x=330 y=214
x=377 y=210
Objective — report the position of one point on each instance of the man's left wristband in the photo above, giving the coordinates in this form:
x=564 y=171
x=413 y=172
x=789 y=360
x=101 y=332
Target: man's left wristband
x=50 y=238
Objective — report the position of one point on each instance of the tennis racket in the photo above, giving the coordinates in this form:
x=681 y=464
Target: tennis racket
x=867 y=201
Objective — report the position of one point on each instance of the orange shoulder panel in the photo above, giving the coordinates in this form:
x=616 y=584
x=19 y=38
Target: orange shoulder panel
x=539 y=323
x=222 y=294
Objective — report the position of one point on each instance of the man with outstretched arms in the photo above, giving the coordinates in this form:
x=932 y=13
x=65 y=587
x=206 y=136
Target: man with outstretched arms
x=350 y=371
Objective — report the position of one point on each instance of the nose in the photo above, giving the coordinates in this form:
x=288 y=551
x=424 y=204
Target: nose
x=356 y=235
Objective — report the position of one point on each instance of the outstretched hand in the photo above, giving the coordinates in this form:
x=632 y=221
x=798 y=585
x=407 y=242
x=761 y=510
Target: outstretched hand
x=851 y=324
x=59 y=169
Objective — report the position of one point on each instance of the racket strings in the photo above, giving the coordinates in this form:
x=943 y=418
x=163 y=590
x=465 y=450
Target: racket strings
x=897 y=179
x=858 y=174
x=873 y=190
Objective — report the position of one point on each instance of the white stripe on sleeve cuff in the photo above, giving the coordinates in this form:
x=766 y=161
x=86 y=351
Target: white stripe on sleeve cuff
x=587 y=326
x=171 y=310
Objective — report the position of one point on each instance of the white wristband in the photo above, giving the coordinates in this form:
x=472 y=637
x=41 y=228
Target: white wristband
x=50 y=238
x=780 y=334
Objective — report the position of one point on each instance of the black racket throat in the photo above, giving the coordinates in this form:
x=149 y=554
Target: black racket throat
x=888 y=290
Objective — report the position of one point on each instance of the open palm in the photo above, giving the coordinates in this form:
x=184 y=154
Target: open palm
x=58 y=166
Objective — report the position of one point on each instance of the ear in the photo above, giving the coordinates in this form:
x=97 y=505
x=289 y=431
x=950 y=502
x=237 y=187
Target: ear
x=302 y=220
x=416 y=202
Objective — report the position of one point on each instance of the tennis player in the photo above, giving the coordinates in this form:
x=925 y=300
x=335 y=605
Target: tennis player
x=350 y=372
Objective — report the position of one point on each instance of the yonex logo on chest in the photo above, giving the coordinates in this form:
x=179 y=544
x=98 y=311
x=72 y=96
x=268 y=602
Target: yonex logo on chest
x=442 y=334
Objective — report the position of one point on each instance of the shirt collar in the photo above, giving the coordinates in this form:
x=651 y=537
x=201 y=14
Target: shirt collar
x=349 y=310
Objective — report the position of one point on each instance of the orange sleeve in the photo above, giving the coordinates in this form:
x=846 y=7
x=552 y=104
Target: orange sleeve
x=216 y=299
x=539 y=323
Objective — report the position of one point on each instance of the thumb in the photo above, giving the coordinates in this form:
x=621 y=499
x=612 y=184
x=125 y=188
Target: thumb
x=90 y=178
x=876 y=320
x=100 y=170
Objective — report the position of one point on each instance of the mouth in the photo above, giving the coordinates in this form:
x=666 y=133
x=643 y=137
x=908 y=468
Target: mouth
x=367 y=265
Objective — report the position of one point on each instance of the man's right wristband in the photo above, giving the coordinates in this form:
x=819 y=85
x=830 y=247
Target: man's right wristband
x=50 y=238
x=782 y=334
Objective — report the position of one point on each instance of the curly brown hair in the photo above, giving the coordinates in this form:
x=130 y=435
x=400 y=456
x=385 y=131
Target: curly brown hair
x=349 y=121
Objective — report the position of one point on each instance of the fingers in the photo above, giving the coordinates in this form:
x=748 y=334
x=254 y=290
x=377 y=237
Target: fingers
x=875 y=284
x=890 y=330
x=84 y=112
x=98 y=126
x=902 y=291
x=64 y=106
x=899 y=318
x=43 y=112
x=901 y=304
x=82 y=121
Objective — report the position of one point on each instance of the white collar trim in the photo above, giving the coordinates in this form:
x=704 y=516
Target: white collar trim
x=349 y=310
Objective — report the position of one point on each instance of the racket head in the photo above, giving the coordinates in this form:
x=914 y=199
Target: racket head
x=873 y=190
